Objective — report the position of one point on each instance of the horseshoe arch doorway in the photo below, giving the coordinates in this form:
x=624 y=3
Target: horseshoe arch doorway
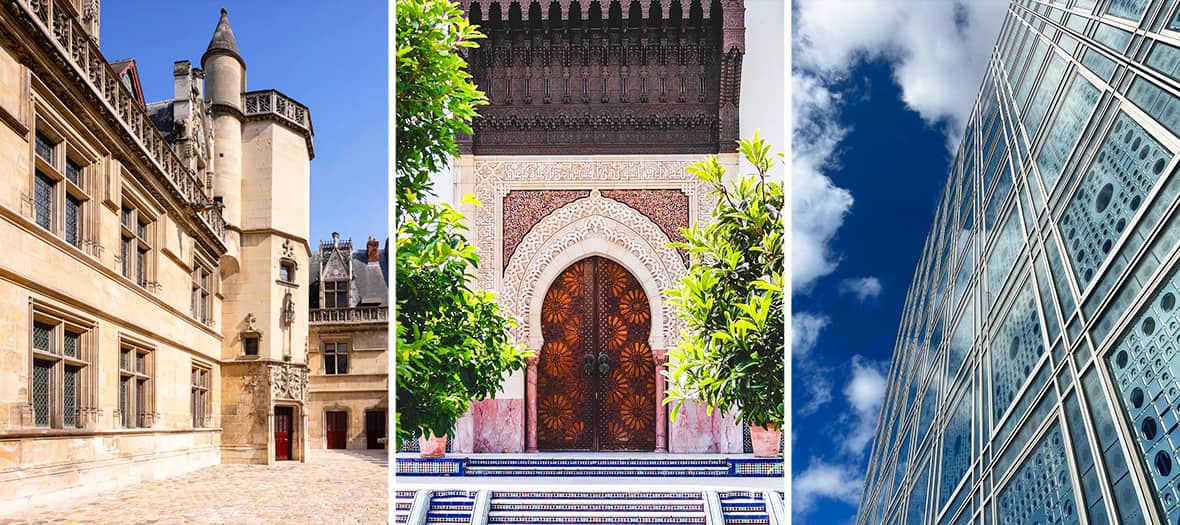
x=595 y=371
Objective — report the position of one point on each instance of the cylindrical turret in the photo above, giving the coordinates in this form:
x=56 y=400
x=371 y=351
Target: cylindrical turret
x=225 y=81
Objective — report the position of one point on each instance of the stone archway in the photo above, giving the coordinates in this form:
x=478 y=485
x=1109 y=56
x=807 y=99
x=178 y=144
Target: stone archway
x=591 y=226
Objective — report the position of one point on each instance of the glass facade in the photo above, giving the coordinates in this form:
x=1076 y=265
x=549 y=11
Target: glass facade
x=1034 y=378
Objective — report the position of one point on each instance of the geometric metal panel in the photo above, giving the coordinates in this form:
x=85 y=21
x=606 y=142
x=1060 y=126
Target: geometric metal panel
x=1127 y=9
x=1145 y=364
x=1015 y=349
x=956 y=449
x=1054 y=73
x=918 y=498
x=1126 y=167
x=1042 y=489
x=1007 y=247
x=1066 y=129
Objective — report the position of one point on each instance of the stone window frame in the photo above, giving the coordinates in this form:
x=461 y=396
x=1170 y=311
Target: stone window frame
x=204 y=288
x=71 y=168
x=62 y=321
x=136 y=408
x=138 y=227
x=289 y=266
x=254 y=338
x=336 y=287
x=201 y=397
x=336 y=343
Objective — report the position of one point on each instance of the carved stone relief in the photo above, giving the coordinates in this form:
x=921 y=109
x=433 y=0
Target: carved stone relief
x=288 y=381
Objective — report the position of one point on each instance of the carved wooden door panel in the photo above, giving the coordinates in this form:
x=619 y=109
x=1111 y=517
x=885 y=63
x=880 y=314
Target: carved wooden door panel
x=596 y=383
x=626 y=415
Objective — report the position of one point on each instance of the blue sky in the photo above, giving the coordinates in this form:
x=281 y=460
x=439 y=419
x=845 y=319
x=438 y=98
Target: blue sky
x=880 y=91
x=333 y=60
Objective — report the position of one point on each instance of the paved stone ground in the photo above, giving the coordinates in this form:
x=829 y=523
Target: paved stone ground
x=345 y=487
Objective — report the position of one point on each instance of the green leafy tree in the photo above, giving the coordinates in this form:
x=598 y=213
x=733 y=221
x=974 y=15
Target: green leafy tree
x=730 y=355
x=452 y=343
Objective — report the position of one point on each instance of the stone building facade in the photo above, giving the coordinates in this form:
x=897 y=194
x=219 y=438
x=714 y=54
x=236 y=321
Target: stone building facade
x=596 y=108
x=155 y=287
x=348 y=390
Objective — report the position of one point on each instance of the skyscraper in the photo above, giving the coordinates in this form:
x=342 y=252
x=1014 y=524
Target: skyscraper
x=1034 y=376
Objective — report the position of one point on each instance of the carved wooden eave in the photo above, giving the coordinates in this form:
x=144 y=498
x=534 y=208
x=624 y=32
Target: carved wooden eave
x=567 y=6
x=122 y=126
x=606 y=77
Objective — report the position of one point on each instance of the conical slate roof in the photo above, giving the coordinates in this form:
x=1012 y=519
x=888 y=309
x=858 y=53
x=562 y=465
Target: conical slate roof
x=223 y=39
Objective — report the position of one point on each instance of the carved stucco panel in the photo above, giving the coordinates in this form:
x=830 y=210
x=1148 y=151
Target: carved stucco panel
x=623 y=227
x=494 y=178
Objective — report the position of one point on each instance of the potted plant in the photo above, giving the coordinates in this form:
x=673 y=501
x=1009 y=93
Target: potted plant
x=452 y=343
x=731 y=354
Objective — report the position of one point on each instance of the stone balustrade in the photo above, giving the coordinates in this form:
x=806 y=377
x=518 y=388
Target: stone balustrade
x=273 y=102
x=83 y=59
x=358 y=314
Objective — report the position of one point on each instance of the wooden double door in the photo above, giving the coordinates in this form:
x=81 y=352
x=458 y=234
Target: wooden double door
x=595 y=371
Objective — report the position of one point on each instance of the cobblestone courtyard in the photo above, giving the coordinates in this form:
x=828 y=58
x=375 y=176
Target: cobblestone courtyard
x=332 y=487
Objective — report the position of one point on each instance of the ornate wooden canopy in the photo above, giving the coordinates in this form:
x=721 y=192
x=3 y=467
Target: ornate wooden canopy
x=606 y=76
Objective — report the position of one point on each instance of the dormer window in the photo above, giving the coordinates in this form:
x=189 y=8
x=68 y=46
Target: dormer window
x=336 y=294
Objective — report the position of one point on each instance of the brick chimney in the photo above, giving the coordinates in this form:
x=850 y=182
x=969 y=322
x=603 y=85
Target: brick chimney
x=373 y=250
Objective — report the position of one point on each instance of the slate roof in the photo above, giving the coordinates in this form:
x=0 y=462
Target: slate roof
x=160 y=114
x=370 y=284
x=223 y=39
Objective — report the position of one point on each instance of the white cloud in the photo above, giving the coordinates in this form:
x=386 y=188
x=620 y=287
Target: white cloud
x=864 y=288
x=939 y=50
x=805 y=329
x=819 y=387
x=825 y=480
x=818 y=205
x=864 y=393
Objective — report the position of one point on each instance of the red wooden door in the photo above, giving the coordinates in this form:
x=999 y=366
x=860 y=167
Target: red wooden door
x=283 y=426
x=337 y=429
x=596 y=375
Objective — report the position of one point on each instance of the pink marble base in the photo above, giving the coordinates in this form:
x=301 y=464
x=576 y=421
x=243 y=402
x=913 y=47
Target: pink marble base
x=498 y=425
x=695 y=432
x=461 y=440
